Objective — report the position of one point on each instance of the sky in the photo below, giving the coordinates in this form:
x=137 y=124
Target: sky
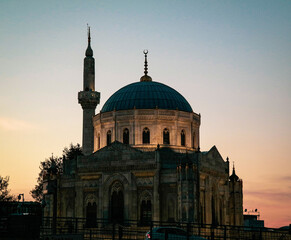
x=229 y=59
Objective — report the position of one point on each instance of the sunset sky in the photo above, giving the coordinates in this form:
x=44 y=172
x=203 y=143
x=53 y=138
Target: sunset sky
x=230 y=59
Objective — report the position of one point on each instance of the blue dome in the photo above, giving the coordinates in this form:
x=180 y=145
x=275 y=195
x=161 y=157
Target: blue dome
x=146 y=95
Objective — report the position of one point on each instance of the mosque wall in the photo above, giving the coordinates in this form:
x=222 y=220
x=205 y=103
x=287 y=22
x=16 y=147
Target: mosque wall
x=172 y=194
x=155 y=120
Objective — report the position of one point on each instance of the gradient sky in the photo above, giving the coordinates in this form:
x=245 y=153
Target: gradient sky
x=229 y=59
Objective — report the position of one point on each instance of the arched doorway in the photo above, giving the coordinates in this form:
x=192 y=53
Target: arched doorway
x=117 y=207
x=91 y=215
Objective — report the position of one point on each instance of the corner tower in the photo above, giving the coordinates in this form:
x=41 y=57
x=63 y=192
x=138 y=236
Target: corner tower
x=235 y=199
x=88 y=98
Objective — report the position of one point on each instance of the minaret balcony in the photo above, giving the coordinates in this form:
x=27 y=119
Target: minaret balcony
x=89 y=99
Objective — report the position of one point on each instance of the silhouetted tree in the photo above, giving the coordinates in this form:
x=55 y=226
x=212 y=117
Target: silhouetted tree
x=4 y=191
x=53 y=165
x=72 y=152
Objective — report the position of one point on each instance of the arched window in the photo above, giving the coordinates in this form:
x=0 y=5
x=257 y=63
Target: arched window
x=125 y=136
x=108 y=137
x=145 y=208
x=146 y=135
x=91 y=215
x=183 y=140
x=193 y=140
x=98 y=141
x=146 y=212
x=166 y=136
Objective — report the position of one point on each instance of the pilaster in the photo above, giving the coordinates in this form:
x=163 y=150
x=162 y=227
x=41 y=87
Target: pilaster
x=156 y=192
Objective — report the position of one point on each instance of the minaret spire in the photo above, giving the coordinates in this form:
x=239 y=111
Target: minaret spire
x=89 y=51
x=89 y=36
x=145 y=77
x=233 y=168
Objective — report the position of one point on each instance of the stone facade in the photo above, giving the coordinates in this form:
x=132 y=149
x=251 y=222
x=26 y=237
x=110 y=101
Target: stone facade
x=145 y=164
x=180 y=185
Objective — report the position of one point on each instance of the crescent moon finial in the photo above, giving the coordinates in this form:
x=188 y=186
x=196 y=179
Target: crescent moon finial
x=145 y=78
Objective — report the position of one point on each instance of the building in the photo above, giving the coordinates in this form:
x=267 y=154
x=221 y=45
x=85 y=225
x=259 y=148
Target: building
x=142 y=160
x=20 y=219
x=252 y=219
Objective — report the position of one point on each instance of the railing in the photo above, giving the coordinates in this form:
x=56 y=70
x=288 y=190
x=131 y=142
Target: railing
x=79 y=228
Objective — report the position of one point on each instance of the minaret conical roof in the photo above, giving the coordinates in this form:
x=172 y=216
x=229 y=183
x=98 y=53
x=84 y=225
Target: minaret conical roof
x=233 y=177
x=89 y=51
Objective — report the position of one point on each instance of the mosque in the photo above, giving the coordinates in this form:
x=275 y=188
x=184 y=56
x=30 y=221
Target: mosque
x=142 y=160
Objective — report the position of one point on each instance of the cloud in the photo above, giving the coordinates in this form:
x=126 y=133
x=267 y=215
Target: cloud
x=273 y=195
x=275 y=178
x=284 y=181
x=285 y=178
x=10 y=124
x=272 y=183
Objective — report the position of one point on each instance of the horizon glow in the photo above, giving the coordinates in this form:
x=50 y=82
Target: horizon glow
x=230 y=60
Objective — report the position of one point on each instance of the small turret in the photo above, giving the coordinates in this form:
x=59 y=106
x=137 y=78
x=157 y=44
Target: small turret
x=233 y=177
x=235 y=199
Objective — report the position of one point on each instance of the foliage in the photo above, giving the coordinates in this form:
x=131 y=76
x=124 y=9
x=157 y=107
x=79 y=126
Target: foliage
x=53 y=165
x=4 y=192
x=72 y=152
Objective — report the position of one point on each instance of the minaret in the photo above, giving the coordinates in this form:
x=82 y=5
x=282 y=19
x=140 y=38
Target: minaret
x=88 y=98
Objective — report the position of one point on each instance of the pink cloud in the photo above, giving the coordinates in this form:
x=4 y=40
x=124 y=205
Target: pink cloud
x=273 y=195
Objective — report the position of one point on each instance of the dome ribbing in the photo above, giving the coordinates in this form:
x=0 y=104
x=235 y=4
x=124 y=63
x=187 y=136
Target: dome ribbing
x=146 y=95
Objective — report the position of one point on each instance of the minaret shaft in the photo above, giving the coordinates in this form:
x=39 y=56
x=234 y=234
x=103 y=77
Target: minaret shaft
x=88 y=131
x=89 y=74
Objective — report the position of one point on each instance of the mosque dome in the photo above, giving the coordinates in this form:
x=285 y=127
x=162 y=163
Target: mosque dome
x=145 y=114
x=146 y=95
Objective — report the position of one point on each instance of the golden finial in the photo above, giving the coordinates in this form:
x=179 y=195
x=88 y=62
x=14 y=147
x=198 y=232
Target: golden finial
x=145 y=78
